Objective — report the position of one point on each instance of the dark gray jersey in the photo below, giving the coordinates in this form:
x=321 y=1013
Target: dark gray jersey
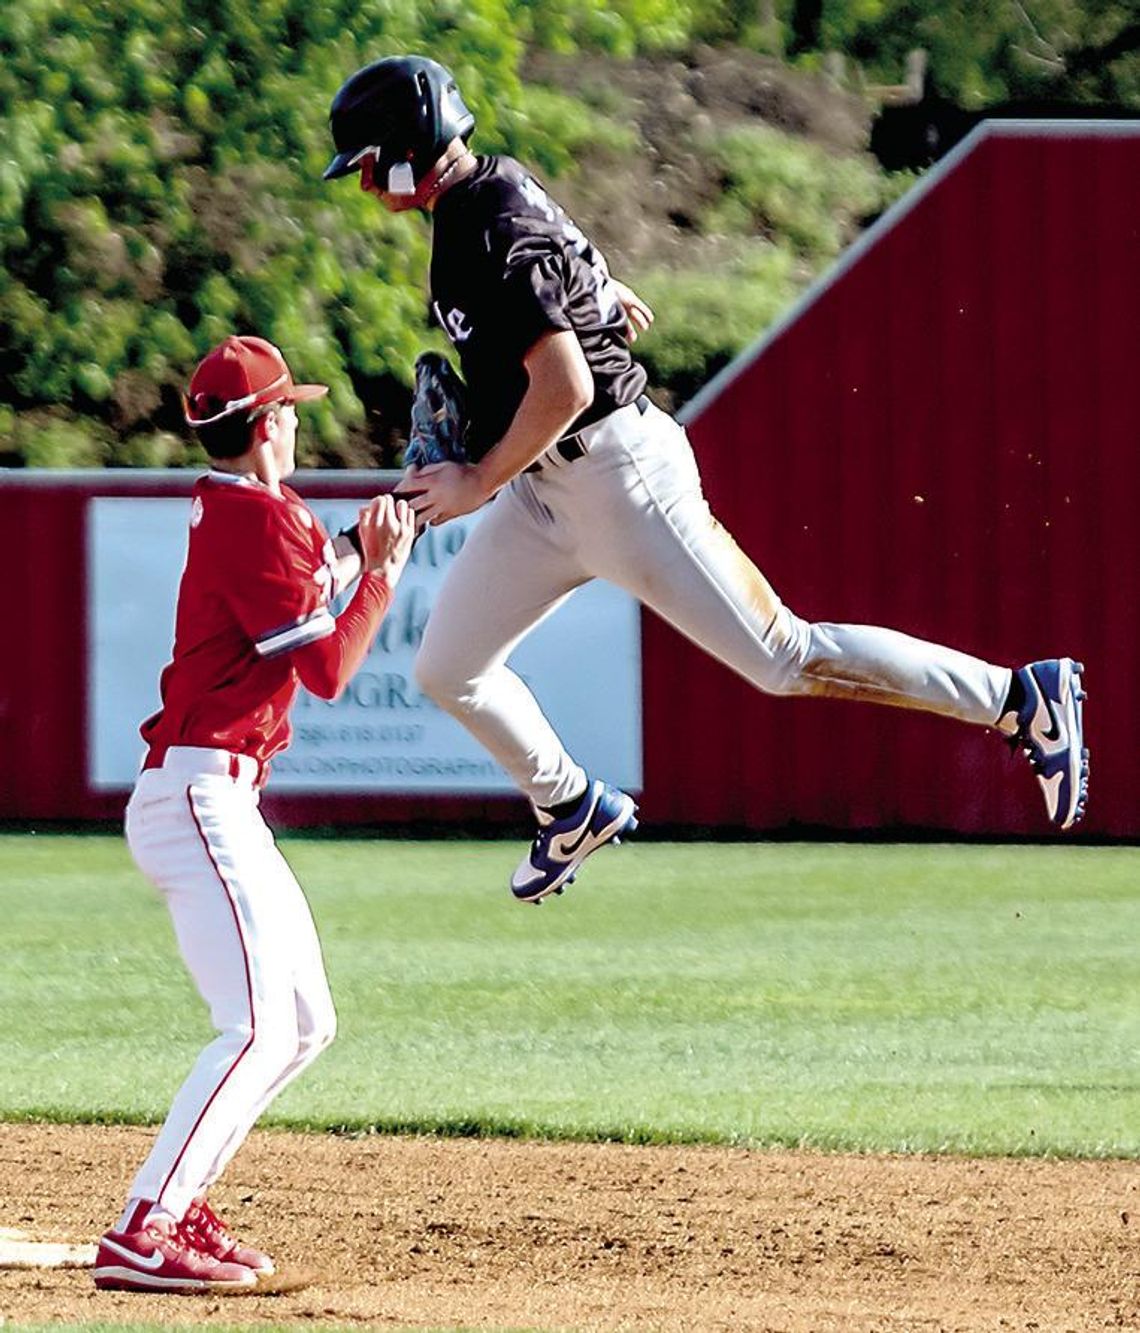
x=507 y=266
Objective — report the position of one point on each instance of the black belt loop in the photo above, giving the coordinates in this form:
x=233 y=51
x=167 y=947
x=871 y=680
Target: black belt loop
x=571 y=447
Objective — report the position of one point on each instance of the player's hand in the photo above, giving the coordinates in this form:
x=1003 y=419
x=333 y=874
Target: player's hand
x=387 y=529
x=441 y=491
x=409 y=490
x=638 y=314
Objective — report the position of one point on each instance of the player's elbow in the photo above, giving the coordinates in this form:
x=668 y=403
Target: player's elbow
x=322 y=679
x=579 y=386
x=583 y=396
x=329 y=687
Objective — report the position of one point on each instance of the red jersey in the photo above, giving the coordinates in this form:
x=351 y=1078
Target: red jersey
x=257 y=583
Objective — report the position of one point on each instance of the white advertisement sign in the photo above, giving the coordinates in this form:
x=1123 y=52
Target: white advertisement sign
x=382 y=735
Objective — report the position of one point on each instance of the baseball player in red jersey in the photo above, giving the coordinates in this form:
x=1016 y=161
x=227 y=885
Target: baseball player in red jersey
x=253 y=622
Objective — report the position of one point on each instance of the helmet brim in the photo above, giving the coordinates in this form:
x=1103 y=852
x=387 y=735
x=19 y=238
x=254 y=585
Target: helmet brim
x=341 y=165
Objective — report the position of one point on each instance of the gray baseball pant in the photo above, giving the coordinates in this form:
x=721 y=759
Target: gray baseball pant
x=631 y=511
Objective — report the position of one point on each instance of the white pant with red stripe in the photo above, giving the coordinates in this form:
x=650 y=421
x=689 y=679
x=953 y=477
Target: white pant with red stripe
x=248 y=939
x=631 y=511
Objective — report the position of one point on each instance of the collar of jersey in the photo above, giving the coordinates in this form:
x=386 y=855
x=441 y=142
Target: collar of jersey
x=235 y=479
x=484 y=165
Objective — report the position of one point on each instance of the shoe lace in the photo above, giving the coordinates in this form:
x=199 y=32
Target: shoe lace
x=201 y=1220
x=179 y=1239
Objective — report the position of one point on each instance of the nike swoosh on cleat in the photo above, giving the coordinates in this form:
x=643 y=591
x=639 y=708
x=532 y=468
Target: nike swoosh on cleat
x=153 y=1262
x=1054 y=740
x=567 y=849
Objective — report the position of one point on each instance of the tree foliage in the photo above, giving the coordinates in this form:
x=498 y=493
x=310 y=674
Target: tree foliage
x=160 y=187
x=1066 y=50
x=1071 y=50
x=160 y=166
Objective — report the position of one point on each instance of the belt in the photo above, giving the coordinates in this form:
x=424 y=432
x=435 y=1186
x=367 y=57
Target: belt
x=197 y=760
x=571 y=447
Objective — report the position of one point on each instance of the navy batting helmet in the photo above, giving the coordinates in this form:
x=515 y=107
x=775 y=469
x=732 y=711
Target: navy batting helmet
x=404 y=110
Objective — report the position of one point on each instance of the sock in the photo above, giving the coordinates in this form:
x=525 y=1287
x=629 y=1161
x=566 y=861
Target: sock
x=565 y=808
x=1006 y=723
x=134 y=1216
x=1015 y=699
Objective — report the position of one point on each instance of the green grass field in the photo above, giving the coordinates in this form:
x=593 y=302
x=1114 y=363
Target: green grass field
x=973 y=999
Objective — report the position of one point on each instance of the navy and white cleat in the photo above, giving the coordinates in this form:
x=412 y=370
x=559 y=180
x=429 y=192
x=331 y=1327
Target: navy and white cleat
x=604 y=814
x=1050 y=730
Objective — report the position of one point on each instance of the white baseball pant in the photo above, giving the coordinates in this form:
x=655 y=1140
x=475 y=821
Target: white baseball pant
x=631 y=511
x=248 y=939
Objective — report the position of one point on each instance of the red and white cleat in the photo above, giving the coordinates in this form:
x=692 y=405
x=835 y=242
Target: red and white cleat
x=213 y=1237
x=164 y=1258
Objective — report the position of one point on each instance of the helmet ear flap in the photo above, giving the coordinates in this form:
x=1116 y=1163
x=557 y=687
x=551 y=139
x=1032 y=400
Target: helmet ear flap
x=401 y=178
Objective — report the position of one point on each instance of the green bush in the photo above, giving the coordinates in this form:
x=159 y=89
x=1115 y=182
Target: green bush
x=557 y=128
x=781 y=186
x=703 y=321
x=58 y=441
x=787 y=208
x=620 y=27
x=160 y=188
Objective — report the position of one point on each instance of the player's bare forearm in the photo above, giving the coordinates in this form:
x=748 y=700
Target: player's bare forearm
x=561 y=388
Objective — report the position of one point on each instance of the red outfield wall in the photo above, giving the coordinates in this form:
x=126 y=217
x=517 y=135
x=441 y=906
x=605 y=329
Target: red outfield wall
x=938 y=438
x=941 y=438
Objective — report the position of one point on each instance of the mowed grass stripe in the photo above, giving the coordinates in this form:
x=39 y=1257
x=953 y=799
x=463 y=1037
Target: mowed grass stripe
x=975 y=999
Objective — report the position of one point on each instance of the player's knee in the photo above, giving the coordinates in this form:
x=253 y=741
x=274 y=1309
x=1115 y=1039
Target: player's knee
x=316 y=1023
x=437 y=680
x=273 y=1046
x=805 y=655
x=236 y=1036
x=787 y=643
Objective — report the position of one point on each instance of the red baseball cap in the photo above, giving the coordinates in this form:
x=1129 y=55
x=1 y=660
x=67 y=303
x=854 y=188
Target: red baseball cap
x=240 y=375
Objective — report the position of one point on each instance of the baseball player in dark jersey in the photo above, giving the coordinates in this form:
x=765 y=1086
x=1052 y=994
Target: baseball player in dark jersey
x=584 y=478
x=253 y=623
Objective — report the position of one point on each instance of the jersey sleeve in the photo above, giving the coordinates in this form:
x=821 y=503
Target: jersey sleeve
x=531 y=299
x=278 y=584
x=327 y=666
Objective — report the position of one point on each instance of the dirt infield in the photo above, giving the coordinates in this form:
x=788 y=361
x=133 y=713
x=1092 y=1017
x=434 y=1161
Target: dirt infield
x=424 y=1232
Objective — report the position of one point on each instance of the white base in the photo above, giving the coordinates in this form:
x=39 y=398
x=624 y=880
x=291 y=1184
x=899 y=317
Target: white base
x=19 y=1250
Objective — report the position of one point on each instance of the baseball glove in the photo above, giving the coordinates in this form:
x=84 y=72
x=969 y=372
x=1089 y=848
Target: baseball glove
x=439 y=414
